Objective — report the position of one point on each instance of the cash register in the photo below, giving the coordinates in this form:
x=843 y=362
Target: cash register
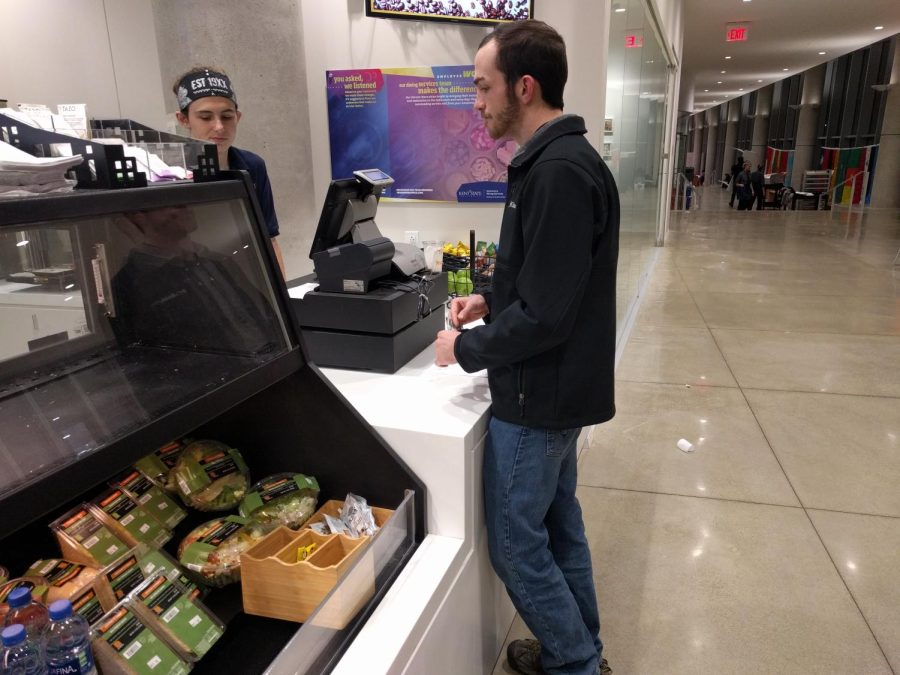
x=375 y=306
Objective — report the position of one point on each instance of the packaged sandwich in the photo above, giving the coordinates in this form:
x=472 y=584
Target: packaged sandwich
x=213 y=550
x=183 y=620
x=283 y=499
x=118 y=509
x=124 y=644
x=118 y=579
x=86 y=539
x=153 y=561
x=87 y=603
x=64 y=579
x=211 y=476
x=141 y=489
x=158 y=465
x=127 y=573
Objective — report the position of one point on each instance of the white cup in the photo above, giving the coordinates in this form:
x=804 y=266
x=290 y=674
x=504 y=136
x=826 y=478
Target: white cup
x=434 y=255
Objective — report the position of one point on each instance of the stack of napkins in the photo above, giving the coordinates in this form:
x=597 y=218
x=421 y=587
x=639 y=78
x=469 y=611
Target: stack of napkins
x=22 y=175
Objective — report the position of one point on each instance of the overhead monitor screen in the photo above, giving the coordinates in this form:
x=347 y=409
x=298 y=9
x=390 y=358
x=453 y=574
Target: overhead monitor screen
x=465 y=11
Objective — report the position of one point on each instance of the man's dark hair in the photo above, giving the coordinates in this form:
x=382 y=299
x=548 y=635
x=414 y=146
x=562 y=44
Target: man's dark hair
x=532 y=48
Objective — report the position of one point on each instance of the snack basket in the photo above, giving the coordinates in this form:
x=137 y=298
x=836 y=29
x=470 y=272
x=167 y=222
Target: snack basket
x=468 y=274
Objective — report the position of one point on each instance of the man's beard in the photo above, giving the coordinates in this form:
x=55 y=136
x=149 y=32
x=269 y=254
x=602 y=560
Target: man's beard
x=506 y=118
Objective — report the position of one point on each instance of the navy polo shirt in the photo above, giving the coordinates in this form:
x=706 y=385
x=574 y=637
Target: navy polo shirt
x=256 y=167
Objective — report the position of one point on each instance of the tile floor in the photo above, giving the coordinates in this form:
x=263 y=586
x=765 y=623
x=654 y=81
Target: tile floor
x=771 y=341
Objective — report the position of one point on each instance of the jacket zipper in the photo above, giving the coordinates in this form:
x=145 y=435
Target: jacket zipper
x=522 y=389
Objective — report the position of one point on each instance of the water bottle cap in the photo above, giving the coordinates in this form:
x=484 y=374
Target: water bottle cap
x=13 y=635
x=19 y=597
x=60 y=609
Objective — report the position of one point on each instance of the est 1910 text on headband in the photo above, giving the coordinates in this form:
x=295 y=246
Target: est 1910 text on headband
x=201 y=84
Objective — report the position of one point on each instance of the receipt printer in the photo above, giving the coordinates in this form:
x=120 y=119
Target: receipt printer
x=350 y=268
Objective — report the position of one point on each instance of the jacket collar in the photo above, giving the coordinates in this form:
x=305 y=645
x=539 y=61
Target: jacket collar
x=546 y=134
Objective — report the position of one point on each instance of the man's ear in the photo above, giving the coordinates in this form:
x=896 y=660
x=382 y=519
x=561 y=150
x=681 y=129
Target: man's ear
x=528 y=89
x=182 y=119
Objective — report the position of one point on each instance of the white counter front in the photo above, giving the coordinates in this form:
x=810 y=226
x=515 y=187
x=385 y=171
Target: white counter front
x=447 y=612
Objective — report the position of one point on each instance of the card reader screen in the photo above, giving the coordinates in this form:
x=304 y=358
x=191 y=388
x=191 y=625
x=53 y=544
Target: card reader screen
x=375 y=175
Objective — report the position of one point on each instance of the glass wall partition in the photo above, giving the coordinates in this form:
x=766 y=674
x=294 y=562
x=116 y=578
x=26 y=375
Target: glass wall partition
x=633 y=142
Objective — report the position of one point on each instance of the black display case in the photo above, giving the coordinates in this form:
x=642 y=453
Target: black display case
x=184 y=328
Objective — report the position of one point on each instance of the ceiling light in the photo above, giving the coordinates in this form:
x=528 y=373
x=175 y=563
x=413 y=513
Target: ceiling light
x=719 y=82
x=785 y=69
x=821 y=53
x=759 y=80
x=724 y=71
x=706 y=90
x=879 y=27
x=741 y=89
x=619 y=9
x=727 y=57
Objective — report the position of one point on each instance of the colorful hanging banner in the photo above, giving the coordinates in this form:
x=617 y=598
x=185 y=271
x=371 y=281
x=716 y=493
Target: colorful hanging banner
x=845 y=164
x=418 y=125
x=780 y=161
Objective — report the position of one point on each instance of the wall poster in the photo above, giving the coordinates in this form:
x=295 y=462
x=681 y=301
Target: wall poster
x=418 y=125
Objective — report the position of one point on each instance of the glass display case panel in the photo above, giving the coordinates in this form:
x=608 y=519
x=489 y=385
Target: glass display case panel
x=165 y=300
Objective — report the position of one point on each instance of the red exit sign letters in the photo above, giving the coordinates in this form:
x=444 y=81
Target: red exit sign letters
x=737 y=32
x=632 y=41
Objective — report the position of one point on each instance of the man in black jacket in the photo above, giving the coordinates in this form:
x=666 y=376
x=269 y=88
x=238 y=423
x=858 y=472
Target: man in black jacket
x=758 y=183
x=548 y=345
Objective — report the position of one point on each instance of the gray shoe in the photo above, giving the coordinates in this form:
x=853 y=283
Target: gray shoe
x=524 y=656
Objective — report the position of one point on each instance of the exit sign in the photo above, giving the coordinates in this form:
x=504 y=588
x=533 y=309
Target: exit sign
x=736 y=32
x=632 y=41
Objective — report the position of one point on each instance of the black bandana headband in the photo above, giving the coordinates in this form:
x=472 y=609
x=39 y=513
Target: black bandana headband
x=201 y=85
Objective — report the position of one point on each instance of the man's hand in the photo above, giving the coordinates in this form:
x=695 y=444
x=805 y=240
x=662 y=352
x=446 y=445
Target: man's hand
x=443 y=347
x=466 y=309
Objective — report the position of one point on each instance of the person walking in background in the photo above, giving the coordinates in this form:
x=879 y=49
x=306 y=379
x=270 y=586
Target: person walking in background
x=744 y=189
x=548 y=344
x=736 y=169
x=758 y=183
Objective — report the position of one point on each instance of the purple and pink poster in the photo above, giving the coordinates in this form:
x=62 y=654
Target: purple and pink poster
x=419 y=126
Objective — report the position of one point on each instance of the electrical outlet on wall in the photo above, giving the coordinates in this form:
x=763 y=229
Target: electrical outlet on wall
x=411 y=237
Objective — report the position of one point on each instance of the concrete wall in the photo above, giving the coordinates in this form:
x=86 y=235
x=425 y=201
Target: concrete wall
x=712 y=172
x=807 y=124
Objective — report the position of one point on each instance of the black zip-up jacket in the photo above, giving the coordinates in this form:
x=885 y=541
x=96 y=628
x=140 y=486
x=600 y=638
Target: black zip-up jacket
x=549 y=340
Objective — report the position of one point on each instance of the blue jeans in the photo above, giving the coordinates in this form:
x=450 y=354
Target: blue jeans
x=537 y=543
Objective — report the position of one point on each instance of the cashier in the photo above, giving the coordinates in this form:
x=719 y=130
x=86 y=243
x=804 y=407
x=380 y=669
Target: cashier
x=208 y=109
